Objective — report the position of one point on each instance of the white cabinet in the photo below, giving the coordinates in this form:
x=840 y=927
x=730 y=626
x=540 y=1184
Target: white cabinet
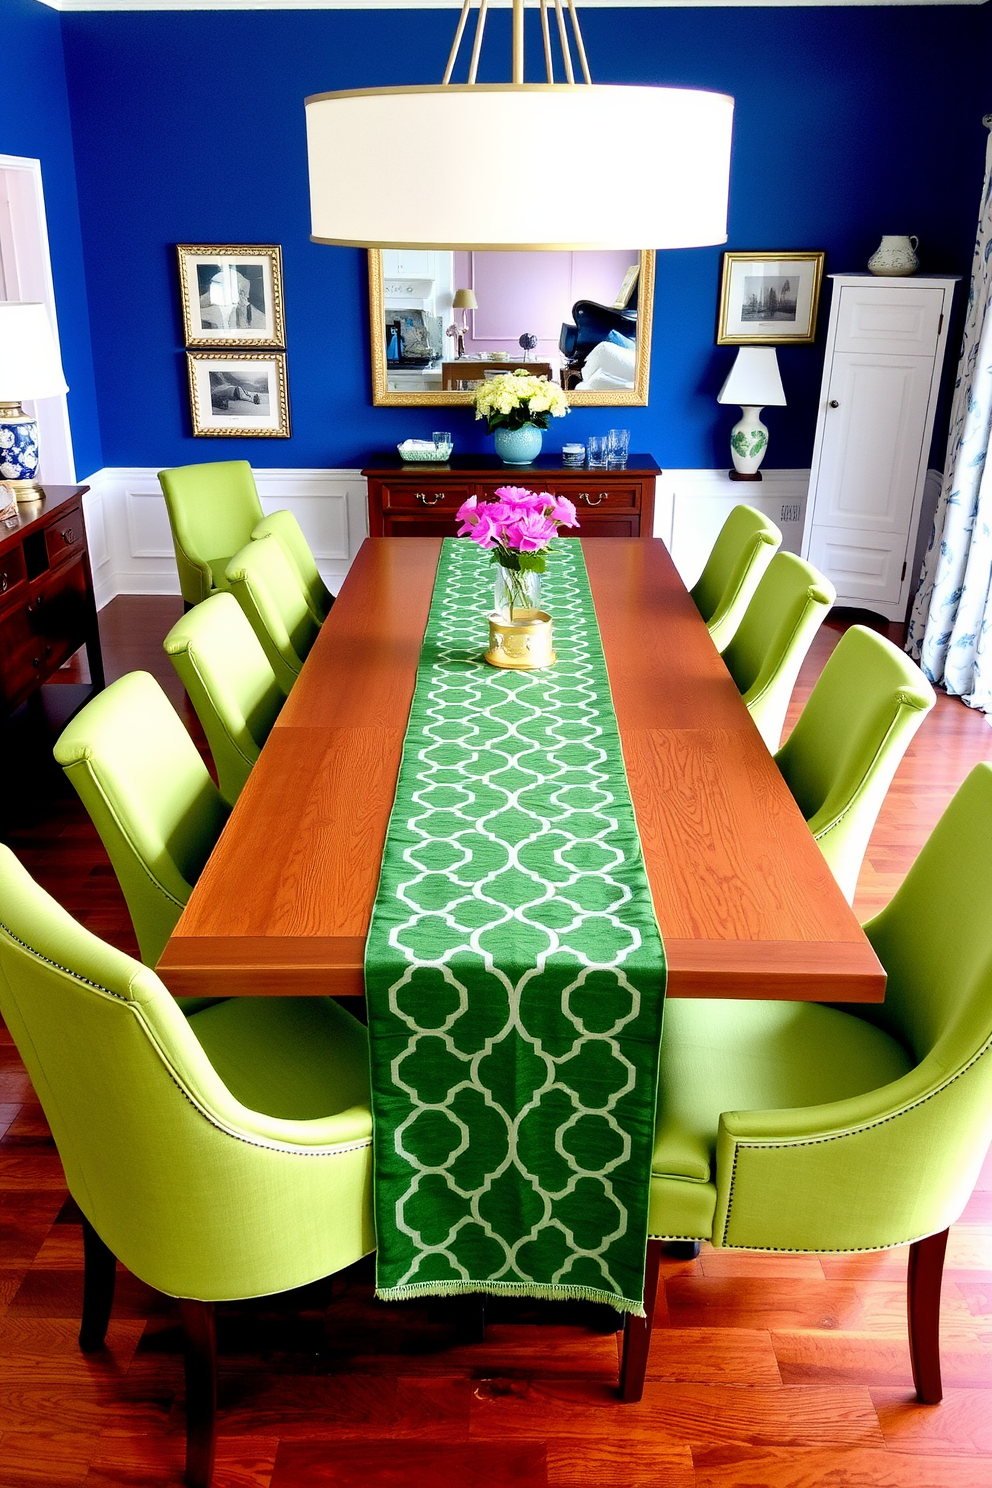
x=885 y=351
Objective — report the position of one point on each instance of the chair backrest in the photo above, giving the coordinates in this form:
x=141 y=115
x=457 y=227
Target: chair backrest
x=196 y=1194
x=230 y=683
x=840 y=758
x=269 y=590
x=787 y=609
x=150 y=797
x=934 y=939
x=212 y=510
x=745 y=546
x=284 y=527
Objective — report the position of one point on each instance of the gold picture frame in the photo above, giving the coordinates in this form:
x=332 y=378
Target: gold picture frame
x=769 y=299
x=231 y=294
x=635 y=397
x=238 y=394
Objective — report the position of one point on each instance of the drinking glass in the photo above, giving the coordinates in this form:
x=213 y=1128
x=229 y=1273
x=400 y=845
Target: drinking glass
x=573 y=455
x=617 y=447
x=596 y=451
x=442 y=444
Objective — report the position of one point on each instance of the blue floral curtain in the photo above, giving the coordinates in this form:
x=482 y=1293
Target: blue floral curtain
x=950 y=630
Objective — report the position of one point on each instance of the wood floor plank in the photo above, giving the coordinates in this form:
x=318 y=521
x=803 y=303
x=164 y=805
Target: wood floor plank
x=961 y=1424
x=619 y=1463
x=797 y=1415
x=388 y=1463
x=729 y=1356
x=755 y=1302
x=871 y=1359
x=848 y=1467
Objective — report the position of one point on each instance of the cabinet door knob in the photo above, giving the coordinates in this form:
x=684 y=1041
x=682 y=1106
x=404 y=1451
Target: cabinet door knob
x=4 y=584
x=834 y=403
x=67 y=535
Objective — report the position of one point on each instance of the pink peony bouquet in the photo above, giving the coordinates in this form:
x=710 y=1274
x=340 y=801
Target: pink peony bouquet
x=517 y=528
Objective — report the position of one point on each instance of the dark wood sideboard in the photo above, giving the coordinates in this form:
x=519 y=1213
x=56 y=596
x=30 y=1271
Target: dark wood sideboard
x=47 y=609
x=420 y=500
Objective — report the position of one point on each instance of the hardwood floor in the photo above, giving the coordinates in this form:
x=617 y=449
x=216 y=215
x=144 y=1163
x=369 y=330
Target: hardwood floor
x=765 y=1371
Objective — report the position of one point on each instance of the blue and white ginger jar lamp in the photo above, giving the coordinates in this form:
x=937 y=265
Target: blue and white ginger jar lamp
x=30 y=367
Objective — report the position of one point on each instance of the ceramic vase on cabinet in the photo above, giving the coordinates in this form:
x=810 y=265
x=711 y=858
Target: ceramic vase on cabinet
x=518 y=446
x=895 y=256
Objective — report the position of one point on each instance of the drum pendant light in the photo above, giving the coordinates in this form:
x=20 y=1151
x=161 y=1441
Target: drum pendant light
x=621 y=165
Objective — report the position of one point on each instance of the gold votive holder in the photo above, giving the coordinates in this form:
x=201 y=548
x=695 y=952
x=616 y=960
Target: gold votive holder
x=522 y=644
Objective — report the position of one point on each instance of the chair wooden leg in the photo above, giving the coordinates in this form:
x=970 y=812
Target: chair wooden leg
x=637 y=1332
x=200 y=1327
x=99 y=1276
x=926 y=1269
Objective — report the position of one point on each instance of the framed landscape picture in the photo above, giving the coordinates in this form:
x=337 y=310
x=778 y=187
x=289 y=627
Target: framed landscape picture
x=231 y=295
x=769 y=299
x=238 y=394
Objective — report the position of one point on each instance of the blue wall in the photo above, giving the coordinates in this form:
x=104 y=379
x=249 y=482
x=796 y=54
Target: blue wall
x=850 y=123
x=34 y=122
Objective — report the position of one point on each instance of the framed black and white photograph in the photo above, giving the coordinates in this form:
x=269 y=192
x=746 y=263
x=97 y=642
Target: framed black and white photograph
x=239 y=394
x=231 y=295
x=769 y=299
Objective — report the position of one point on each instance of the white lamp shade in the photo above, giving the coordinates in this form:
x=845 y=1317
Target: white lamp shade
x=754 y=379
x=29 y=359
x=663 y=152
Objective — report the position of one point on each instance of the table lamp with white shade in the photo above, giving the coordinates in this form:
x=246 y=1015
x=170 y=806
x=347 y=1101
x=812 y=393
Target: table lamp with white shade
x=754 y=383
x=464 y=301
x=30 y=367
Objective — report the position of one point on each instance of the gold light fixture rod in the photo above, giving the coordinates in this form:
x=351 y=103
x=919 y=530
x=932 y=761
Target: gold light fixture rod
x=480 y=27
x=452 y=56
x=578 y=41
x=549 y=65
x=518 y=41
x=565 y=49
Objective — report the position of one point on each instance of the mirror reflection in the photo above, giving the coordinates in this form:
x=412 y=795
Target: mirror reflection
x=447 y=319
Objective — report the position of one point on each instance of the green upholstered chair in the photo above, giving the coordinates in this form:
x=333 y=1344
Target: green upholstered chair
x=271 y=593
x=800 y=1127
x=745 y=546
x=840 y=758
x=150 y=797
x=219 y=1158
x=286 y=529
x=787 y=609
x=230 y=684
x=212 y=510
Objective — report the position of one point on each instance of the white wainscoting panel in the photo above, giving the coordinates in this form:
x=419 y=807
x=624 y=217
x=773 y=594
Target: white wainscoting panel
x=131 y=542
x=692 y=505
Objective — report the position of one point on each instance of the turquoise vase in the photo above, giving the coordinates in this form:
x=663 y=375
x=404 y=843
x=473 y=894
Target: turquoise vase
x=519 y=446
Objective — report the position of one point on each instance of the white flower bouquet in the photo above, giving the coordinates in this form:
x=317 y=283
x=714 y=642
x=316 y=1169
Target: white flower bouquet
x=516 y=399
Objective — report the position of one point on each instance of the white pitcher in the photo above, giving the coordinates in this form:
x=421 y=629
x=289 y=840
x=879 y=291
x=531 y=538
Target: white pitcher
x=895 y=255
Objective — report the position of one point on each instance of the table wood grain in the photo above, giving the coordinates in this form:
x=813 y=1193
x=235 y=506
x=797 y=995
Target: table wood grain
x=746 y=905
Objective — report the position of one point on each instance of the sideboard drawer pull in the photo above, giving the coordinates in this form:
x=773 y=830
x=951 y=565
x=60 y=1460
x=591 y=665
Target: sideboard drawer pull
x=593 y=500
x=4 y=583
x=67 y=535
x=426 y=500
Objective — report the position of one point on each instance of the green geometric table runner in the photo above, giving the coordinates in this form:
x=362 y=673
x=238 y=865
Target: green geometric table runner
x=514 y=970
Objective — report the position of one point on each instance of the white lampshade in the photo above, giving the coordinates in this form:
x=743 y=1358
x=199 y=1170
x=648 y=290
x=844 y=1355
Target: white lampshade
x=665 y=152
x=29 y=359
x=754 y=379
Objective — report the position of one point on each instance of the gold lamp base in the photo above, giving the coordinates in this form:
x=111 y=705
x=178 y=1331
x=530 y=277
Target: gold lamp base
x=522 y=644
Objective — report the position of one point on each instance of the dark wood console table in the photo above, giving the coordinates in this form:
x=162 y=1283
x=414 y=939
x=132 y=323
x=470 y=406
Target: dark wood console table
x=47 y=609
x=420 y=500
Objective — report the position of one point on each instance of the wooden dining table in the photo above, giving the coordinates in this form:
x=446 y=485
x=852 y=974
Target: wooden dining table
x=746 y=904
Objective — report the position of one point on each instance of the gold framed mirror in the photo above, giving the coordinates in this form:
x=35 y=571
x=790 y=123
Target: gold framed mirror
x=443 y=319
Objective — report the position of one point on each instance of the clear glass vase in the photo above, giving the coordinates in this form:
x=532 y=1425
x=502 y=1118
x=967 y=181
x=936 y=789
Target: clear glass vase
x=516 y=590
